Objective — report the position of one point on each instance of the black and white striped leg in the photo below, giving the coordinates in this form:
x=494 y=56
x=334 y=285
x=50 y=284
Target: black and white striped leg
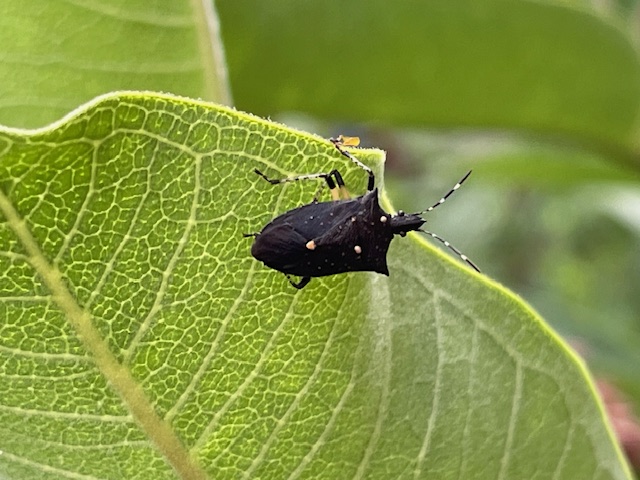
x=338 y=143
x=453 y=249
x=336 y=187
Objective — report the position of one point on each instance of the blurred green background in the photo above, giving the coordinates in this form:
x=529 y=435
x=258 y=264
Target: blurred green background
x=540 y=99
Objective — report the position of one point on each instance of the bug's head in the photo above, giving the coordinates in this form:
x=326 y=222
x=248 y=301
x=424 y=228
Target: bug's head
x=401 y=223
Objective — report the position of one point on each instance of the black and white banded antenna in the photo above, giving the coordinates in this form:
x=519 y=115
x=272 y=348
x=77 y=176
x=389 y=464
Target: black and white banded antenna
x=462 y=256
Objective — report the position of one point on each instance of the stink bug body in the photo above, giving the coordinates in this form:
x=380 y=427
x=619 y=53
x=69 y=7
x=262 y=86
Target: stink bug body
x=343 y=235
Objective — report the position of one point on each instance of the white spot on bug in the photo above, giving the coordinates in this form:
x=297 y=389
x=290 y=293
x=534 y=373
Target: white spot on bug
x=311 y=245
x=357 y=249
x=353 y=219
x=383 y=219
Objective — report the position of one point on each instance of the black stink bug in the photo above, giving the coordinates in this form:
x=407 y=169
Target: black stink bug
x=343 y=235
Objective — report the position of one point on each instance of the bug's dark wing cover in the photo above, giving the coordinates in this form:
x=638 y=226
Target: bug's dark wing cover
x=316 y=218
x=279 y=246
x=336 y=229
x=365 y=230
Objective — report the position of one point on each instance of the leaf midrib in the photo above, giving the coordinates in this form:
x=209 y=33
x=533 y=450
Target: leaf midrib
x=120 y=378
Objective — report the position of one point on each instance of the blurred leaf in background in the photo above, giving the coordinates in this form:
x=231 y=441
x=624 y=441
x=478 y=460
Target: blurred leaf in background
x=58 y=56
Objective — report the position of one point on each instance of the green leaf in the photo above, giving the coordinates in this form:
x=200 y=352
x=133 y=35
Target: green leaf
x=508 y=160
x=139 y=338
x=522 y=65
x=58 y=55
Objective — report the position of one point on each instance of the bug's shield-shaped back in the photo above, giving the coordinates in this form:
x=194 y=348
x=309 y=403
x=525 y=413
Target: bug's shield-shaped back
x=345 y=236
